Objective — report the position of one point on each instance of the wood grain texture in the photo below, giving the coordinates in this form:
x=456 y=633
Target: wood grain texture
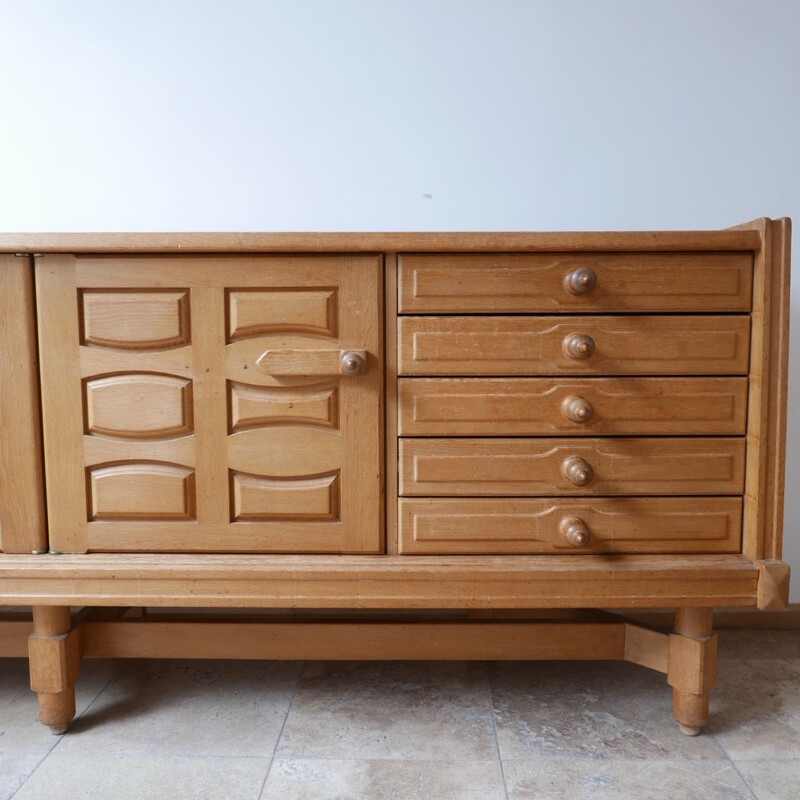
x=307 y=581
x=165 y=431
x=730 y=240
x=62 y=402
x=23 y=525
x=141 y=320
x=520 y=467
x=534 y=406
x=615 y=525
x=773 y=584
x=335 y=640
x=505 y=282
x=766 y=431
x=390 y=405
x=644 y=345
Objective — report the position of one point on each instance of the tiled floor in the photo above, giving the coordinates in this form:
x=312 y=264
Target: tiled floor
x=544 y=731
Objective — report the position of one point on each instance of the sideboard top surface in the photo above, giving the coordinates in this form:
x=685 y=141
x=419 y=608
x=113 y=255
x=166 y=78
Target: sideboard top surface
x=742 y=238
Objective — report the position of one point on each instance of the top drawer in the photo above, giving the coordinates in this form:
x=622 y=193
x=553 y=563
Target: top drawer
x=547 y=282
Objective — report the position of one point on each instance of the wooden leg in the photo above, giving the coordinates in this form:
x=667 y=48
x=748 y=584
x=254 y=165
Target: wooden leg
x=692 y=667
x=54 y=652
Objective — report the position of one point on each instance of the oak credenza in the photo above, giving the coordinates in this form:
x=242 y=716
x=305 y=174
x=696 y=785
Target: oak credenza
x=523 y=427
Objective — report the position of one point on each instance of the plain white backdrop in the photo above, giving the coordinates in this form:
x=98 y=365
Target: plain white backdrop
x=348 y=115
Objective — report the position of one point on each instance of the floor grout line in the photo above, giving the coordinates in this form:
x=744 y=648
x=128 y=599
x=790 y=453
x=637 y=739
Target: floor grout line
x=61 y=736
x=280 y=732
x=494 y=730
x=733 y=764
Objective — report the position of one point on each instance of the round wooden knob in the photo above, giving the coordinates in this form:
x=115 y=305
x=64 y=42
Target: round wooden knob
x=580 y=280
x=577 y=409
x=577 y=471
x=575 y=531
x=353 y=363
x=578 y=346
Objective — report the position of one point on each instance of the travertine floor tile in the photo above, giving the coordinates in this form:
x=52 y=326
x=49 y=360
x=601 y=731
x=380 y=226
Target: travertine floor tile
x=192 y=708
x=588 y=710
x=772 y=780
x=15 y=769
x=590 y=779
x=69 y=776
x=24 y=741
x=332 y=779
x=759 y=644
x=755 y=708
x=395 y=710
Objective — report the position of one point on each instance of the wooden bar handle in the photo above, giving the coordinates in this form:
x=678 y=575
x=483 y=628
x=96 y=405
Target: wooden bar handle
x=299 y=363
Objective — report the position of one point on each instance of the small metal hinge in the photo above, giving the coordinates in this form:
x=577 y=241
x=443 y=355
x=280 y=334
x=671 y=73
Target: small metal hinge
x=54 y=552
x=31 y=255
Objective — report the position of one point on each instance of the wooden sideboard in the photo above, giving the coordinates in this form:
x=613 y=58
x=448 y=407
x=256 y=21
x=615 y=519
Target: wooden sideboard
x=524 y=427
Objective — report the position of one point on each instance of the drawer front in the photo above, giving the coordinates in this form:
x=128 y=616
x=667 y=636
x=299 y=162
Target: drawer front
x=612 y=525
x=666 y=345
x=571 y=406
x=531 y=467
x=542 y=282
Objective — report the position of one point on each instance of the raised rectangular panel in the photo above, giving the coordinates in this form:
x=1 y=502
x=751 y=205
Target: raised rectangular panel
x=256 y=406
x=138 y=406
x=135 y=320
x=539 y=406
x=535 y=282
x=264 y=499
x=527 y=525
x=141 y=491
x=255 y=312
x=618 y=345
x=541 y=466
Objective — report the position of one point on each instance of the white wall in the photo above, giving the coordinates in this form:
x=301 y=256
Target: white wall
x=299 y=115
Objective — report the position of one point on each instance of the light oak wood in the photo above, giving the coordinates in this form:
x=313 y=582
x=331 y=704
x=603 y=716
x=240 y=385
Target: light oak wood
x=54 y=653
x=186 y=445
x=643 y=345
x=521 y=466
x=533 y=406
x=513 y=282
x=308 y=581
x=525 y=525
x=23 y=527
x=140 y=320
x=773 y=585
x=335 y=640
x=646 y=647
x=391 y=442
x=692 y=667
x=14 y=634
x=659 y=241
x=194 y=402
x=766 y=431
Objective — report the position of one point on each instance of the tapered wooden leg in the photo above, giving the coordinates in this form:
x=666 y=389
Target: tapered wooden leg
x=692 y=667
x=54 y=652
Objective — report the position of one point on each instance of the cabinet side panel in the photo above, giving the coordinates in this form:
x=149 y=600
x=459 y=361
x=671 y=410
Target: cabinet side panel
x=22 y=516
x=62 y=402
x=781 y=231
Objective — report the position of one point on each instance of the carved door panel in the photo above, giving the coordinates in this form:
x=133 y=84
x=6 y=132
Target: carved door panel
x=212 y=403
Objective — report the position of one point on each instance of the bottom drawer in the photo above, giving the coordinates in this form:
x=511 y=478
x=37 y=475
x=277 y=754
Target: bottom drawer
x=556 y=525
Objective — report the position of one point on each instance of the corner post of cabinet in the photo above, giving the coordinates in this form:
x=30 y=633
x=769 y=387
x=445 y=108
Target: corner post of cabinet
x=692 y=667
x=54 y=650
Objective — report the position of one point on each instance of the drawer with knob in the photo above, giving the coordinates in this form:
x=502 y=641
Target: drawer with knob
x=570 y=525
x=589 y=345
x=566 y=466
x=545 y=282
x=572 y=406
